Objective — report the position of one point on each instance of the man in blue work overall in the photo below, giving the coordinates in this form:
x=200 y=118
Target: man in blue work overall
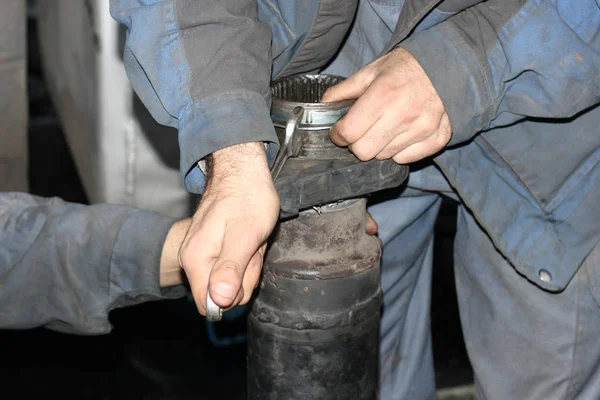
x=65 y=266
x=497 y=99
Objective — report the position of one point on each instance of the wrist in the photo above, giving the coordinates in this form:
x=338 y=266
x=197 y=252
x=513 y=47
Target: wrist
x=170 y=270
x=247 y=160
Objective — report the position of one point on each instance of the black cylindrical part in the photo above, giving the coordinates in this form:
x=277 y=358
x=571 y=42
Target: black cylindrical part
x=313 y=328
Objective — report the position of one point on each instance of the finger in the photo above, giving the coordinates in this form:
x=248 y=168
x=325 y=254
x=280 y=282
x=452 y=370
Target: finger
x=371 y=225
x=421 y=150
x=197 y=255
x=397 y=145
x=262 y=250
x=198 y=280
x=377 y=137
x=252 y=276
x=360 y=117
x=412 y=132
x=352 y=87
x=227 y=273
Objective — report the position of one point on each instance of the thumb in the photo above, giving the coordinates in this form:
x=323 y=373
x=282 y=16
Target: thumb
x=371 y=225
x=351 y=88
x=227 y=274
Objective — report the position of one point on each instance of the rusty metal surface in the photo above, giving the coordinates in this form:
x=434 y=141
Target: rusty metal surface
x=325 y=243
x=313 y=328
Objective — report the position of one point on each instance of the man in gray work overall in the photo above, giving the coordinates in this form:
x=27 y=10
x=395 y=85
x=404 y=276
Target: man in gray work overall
x=65 y=266
x=497 y=100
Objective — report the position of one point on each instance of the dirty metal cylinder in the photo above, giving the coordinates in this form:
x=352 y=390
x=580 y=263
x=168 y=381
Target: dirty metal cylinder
x=313 y=330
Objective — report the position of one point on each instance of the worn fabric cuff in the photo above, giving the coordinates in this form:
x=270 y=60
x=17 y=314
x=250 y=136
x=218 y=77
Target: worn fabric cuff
x=135 y=262
x=458 y=76
x=222 y=121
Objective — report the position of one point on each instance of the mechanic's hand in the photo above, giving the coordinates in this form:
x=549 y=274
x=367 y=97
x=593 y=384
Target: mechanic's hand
x=398 y=113
x=170 y=270
x=224 y=246
x=371 y=225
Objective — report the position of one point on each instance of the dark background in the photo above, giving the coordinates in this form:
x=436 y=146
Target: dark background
x=161 y=350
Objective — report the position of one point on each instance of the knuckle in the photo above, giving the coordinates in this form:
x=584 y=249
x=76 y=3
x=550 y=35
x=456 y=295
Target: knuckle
x=428 y=126
x=411 y=114
x=382 y=156
x=387 y=153
x=343 y=131
x=394 y=91
x=393 y=149
x=442 y=139
x=446 y=129
x=228 y=265
x=400 y=159
x=363 y=153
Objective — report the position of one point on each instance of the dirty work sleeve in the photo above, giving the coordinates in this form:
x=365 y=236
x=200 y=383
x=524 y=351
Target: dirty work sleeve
x=203 y=67
x=65 y=266
x=504 y=60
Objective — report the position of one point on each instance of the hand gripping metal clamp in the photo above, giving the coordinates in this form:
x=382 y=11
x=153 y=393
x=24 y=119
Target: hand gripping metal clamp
x=292 y=144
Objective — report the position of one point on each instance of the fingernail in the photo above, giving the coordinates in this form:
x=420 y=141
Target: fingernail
x=224 y=290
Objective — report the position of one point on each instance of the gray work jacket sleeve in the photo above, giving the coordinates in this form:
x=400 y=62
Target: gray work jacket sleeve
x=504 y=60
x=65 y=266
x=203 y=67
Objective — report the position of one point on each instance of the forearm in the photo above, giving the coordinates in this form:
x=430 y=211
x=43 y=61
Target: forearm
x=66 y=266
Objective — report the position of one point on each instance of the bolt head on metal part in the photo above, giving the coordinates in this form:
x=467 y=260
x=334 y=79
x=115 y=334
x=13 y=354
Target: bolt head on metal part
x=213 y=311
